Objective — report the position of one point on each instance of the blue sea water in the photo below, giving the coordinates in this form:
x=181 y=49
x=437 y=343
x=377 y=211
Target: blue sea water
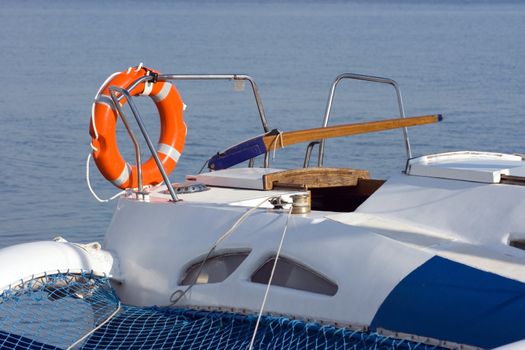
x=465 y=59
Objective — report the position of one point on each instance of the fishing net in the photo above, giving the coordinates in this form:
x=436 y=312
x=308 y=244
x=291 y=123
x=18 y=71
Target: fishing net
x=82 y=311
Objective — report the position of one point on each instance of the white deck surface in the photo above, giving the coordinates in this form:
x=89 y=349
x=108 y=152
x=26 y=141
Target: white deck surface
x=250 y=178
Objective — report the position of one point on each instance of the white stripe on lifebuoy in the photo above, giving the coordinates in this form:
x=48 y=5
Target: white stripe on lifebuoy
x=163 y=93
x=148 y=86
x=106 y=100
x=169 y=151
x=123 y=177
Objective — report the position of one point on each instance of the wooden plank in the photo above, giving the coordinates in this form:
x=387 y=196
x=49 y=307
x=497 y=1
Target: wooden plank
x=292 y=137
x=287 y=138
x=314 y=178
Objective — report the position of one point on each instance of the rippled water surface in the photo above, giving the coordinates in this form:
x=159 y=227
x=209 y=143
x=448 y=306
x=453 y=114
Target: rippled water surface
x=465 y=60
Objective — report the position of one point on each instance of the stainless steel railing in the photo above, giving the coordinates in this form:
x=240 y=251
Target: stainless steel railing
x=328 y=110
x=125 y=93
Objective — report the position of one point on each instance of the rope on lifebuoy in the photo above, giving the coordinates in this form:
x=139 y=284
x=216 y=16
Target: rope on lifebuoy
x=139 y=67
x=95 y=99
x=88 y=181
x=267 y=291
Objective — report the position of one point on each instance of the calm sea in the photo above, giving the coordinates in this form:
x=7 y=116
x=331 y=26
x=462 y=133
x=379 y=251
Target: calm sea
x=463 y=59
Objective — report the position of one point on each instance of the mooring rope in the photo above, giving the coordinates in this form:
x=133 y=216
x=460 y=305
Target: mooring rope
x=178 y=294
x=91 y=189
x=263 y=304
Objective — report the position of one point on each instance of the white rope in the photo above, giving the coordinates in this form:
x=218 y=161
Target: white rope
x=178 y=294
x=270 y=280
x=96 y=97
x=94 y=329
x=139 y=67
x=238 y=222
x=91 y=189
x=278 y=137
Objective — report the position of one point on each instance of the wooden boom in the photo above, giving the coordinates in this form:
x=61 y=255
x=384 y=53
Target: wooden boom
x=276 y=139
x=287 y=138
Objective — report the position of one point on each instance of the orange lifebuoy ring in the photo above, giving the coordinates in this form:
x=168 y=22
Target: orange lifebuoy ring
x=104 y=121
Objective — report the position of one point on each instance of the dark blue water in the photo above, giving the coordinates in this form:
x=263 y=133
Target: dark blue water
x=463 y=59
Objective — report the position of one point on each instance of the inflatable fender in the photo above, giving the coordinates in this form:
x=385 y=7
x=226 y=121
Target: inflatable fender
x=32 y=260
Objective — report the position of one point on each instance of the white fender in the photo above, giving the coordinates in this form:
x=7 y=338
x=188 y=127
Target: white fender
x=35 y=259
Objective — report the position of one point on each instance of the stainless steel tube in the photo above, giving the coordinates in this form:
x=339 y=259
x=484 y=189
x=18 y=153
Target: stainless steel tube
x=255 y=90
x=370 y=78
x=152 y=148
x=131 y=134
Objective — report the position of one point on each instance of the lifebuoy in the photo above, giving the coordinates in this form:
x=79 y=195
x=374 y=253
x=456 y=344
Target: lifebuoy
x=104 y=122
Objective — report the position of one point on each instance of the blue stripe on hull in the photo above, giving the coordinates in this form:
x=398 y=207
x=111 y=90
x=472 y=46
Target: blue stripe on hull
x=450 y=301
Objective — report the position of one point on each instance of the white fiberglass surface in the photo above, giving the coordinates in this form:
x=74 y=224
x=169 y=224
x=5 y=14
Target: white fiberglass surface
x=464 y=221
x=154 y=255
x=468 y=166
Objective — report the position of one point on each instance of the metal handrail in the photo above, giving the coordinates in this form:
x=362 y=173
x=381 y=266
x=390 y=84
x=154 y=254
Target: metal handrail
x=308 y=154
x=131 y=134
x=244 y=77
x=364 y=78
x=142 y=128
x=241 y=77
x=125 y=93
